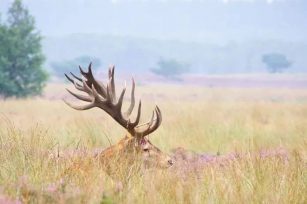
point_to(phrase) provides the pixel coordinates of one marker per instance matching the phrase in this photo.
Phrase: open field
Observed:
(259, 133)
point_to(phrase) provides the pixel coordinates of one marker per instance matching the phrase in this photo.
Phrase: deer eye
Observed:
(146, 150)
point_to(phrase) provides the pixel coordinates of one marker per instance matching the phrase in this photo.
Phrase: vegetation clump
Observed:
(21, 57)
(276, 62)
(170, 69)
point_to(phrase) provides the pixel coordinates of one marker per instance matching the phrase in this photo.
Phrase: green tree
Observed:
(21, 57)
(276, 62)
(170, 68)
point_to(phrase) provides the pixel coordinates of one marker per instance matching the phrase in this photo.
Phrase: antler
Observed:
(104, 97)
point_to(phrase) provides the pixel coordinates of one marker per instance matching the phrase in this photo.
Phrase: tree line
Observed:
(21, 57)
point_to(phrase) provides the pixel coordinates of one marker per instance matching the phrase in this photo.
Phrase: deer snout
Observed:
(166, 162)
(169, 161)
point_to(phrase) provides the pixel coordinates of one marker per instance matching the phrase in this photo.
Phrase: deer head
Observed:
(136, 141)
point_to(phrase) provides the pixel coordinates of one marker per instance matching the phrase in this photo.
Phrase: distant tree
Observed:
(276, 62)
(67, 66)
(21, 58)
(170, 68)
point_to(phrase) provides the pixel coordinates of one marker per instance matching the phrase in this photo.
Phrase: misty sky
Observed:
(186, 20)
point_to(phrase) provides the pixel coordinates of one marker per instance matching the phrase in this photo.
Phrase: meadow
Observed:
(232, 145)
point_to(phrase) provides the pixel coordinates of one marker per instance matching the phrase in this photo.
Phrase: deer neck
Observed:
(125, 145)
(119, 157)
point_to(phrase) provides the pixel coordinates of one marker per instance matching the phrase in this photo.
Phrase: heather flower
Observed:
(188, 161)
(6, 200)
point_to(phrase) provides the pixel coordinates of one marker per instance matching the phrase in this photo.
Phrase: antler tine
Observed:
(109, 97)
(77, 86)
(81, 97)
(69, 79)
(152, 125)
(157, 122)
(112, 83)
(132, 103)
(87, 89)
(90, 69)
(85, 107)
(97, 96)
(78, 78)
(101, 89)
(152, 119)
(72, 80)
(120, 100)
(82, 72)
(138, 116)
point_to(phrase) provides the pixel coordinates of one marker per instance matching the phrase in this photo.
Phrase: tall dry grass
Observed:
(41, 138)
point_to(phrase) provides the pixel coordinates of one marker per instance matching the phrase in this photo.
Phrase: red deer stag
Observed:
(136, 143)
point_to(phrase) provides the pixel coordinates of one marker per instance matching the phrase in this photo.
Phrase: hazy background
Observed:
(212, 36)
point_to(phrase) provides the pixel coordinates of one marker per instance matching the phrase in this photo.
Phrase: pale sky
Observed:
(185, 20)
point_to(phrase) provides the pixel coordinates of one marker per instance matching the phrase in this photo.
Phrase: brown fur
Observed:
(133, 151)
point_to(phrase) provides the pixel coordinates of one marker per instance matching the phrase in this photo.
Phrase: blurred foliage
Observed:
(170, 68)
(21, 56)
(67, 66)
(276, 62)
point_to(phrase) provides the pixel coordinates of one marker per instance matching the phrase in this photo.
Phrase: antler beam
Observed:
(104, 97)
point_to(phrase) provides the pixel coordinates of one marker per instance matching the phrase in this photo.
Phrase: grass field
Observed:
(266, 128)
